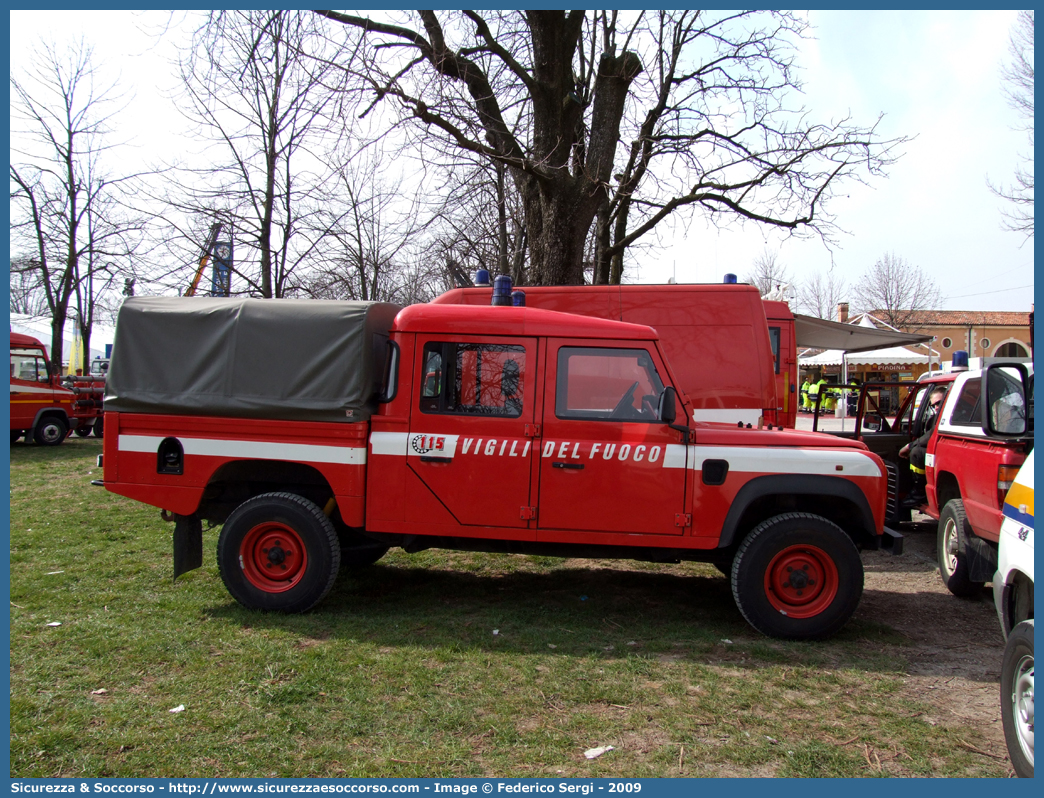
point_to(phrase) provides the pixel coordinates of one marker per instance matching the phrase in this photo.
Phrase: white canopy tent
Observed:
(894, 355)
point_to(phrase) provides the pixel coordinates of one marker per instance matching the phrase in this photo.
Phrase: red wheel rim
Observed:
(801, 581)
(273, 557)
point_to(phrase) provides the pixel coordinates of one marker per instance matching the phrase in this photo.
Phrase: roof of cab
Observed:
(487, 320)
(24, 340)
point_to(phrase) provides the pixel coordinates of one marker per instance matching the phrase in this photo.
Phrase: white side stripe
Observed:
(392, 443)
(730, 416)
(776, 460)
(40, 389)
(253, 450)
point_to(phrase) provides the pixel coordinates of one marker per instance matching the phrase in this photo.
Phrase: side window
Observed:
(26, 365)
(774, 340)
(473, 379)
(607, 384)
(966, 411)
(1009, 404)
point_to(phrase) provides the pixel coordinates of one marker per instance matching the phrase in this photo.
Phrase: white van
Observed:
(1013, 595)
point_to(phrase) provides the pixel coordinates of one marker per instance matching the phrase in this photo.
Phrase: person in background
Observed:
(813, 392)
(917, 449)
(805, 404)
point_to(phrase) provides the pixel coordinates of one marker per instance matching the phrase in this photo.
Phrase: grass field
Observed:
(436, 664)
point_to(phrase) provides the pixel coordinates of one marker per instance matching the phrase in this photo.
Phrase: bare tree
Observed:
(549, 94)
(895, 291)
(478, 224)
(768, 273)
(1018, 87)
(365, 240)
(62, 196)
(27, 293)
(820, 294)
(264, 100)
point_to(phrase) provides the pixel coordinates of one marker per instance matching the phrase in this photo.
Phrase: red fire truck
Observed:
(323, 433)
(42, 408)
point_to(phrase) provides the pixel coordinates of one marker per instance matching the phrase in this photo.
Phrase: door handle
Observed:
(426, 458)
(573, 466)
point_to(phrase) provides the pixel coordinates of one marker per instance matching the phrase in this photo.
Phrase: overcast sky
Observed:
(935, 75)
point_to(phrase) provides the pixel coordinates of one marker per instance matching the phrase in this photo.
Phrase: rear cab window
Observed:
(473, 379)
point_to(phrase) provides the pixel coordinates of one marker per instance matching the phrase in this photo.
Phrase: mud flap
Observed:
(982, 559)
(188, 544)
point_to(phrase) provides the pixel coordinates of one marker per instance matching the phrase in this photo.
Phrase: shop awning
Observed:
(813, 333)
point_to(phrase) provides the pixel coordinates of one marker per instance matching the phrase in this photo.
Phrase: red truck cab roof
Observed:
(17, 339)
(481, 320)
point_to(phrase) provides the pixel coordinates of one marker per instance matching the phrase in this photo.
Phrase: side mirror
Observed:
(1006, 403)
(666, 409)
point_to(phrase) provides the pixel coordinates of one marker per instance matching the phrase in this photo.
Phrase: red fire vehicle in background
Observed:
(42, 408)
(984, 434)
(733, 362)
(982, 437)
(322, 433)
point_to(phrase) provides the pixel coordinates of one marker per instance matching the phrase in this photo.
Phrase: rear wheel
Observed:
(99, 427)
(953, 561)
(16, 434)
(82, 432)
(1017, 698)
(279, 552)
(797, 576)
(50, 431)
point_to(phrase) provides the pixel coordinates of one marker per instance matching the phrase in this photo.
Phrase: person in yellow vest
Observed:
(813, 392)
(827, 403)
(805, 404)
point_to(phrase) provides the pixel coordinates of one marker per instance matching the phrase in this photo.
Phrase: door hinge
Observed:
(683, 520)
(532, 430)
(528, 513)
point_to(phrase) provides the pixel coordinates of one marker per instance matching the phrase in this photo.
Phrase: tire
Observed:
(82, 432)
(16, 434)
(1016, 694)
(51, 431)
(768, 585)
(99, 427)
(953, 561)
(277, 551)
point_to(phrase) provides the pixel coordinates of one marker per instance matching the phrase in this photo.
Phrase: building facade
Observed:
(981, 333)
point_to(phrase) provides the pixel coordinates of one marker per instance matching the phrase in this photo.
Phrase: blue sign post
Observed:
(221, 277)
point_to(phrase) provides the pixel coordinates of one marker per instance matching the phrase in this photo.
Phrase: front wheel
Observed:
(797, 576)
(50, 431)
(954, 530)
(278, 551)
(1016, 694)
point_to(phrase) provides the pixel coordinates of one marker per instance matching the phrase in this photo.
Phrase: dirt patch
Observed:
(953, 646)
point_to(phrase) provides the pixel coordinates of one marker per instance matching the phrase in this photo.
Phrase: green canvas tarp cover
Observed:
(290, 359)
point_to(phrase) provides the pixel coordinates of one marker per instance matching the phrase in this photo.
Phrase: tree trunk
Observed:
(557, 222)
